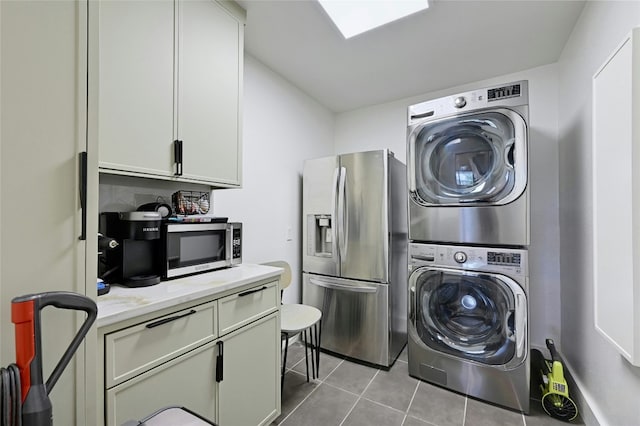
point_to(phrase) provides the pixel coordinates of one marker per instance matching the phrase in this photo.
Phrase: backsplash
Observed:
(124, 193)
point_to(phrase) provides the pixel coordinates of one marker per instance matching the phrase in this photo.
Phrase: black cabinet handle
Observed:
(82, 160)
(219, 361)
(169, 319)
(248, 292)
(177, 156)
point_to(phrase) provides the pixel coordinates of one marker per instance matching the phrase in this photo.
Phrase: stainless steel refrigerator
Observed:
(354, 257)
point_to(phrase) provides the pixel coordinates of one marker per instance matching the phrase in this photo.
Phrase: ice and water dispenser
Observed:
(320, 238)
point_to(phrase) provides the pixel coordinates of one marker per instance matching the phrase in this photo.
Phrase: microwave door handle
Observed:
(229, 244)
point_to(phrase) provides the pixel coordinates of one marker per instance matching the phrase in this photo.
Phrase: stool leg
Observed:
(313, 356)
(306, 353)
(284, 361)
(318, 334)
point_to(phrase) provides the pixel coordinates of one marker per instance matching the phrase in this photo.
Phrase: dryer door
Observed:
(472, 159)
(474, 316)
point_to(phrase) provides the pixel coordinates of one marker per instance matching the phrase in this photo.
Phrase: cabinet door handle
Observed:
(219, 361)
(82, 159)
(169, 319)
(177, 156)
(255, 290)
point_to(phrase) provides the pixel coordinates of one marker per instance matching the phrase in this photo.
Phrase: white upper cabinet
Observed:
(136, 86)
(616, 200)
(210, 67)
(170, 71)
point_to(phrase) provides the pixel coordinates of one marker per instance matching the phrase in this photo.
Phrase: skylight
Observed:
(353, 17)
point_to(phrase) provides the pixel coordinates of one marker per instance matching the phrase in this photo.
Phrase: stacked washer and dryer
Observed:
(467, 158)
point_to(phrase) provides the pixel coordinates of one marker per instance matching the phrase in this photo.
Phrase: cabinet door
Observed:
(187, 381)
(249, 393)
(616, 136)
(136, 86)
(209, 79)
(43, 99)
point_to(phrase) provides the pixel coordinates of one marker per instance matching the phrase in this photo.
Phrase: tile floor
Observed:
(351, 394)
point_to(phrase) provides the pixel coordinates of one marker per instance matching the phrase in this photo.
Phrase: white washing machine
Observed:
(468, 318)
(467, 165)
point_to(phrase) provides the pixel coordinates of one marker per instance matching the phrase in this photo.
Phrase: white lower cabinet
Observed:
(250, 374)
(187, 381)
(218, 357)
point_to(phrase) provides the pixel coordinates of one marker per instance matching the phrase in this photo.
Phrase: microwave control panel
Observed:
(236, 243)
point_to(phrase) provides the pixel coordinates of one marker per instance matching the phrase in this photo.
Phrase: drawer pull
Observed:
(255, 290)
(169, 319)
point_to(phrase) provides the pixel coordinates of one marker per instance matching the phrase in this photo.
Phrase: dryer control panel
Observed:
(511, 95)
(504, 258)
(479, 259)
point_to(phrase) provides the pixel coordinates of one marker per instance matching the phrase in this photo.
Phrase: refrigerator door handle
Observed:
(343, 230)
(334, 215)
(337, 286)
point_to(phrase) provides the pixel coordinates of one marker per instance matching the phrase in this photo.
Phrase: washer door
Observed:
(471, 159)
(479, 317)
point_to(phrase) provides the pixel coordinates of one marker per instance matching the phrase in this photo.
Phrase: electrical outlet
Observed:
(289, 235)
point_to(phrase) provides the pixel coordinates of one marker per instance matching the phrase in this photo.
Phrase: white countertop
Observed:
(122, 303)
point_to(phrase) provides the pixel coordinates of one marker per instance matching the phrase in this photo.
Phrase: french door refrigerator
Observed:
(354, 257)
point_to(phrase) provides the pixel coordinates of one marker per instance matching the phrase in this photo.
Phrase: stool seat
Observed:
(298, 319)
(294, 318)
(302, 319)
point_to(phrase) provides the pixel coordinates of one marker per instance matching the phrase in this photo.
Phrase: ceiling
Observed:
(454, 42)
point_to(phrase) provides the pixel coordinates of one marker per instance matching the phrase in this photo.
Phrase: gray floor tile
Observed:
(327, 364)
(384, 399)
(295, 353)
(393, 388)
(367, 413)
(438, 406)
(403, 355)
(538, 417)
(412, 421)
(296, 389)
(324, 407)
(484, 414)
(351, 376)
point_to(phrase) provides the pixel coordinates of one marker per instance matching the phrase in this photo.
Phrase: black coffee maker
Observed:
(135, 262)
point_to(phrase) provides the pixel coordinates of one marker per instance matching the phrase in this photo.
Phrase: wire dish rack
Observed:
(190, 202)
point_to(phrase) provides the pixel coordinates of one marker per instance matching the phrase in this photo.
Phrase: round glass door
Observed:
(468, 315)
(474, 158)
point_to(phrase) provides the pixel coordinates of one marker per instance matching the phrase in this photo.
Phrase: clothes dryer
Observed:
(468, 321)
(467, 165)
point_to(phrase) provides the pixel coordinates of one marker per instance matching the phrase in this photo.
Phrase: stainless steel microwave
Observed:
(191, 248)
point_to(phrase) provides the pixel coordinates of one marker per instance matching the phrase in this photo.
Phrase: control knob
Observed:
(460, 257)
(459, 102)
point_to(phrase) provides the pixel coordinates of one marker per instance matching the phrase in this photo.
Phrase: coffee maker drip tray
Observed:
(141, 280)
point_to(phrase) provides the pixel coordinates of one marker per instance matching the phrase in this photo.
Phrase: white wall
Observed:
(385, 126)
(609, 384)
(282, 127)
